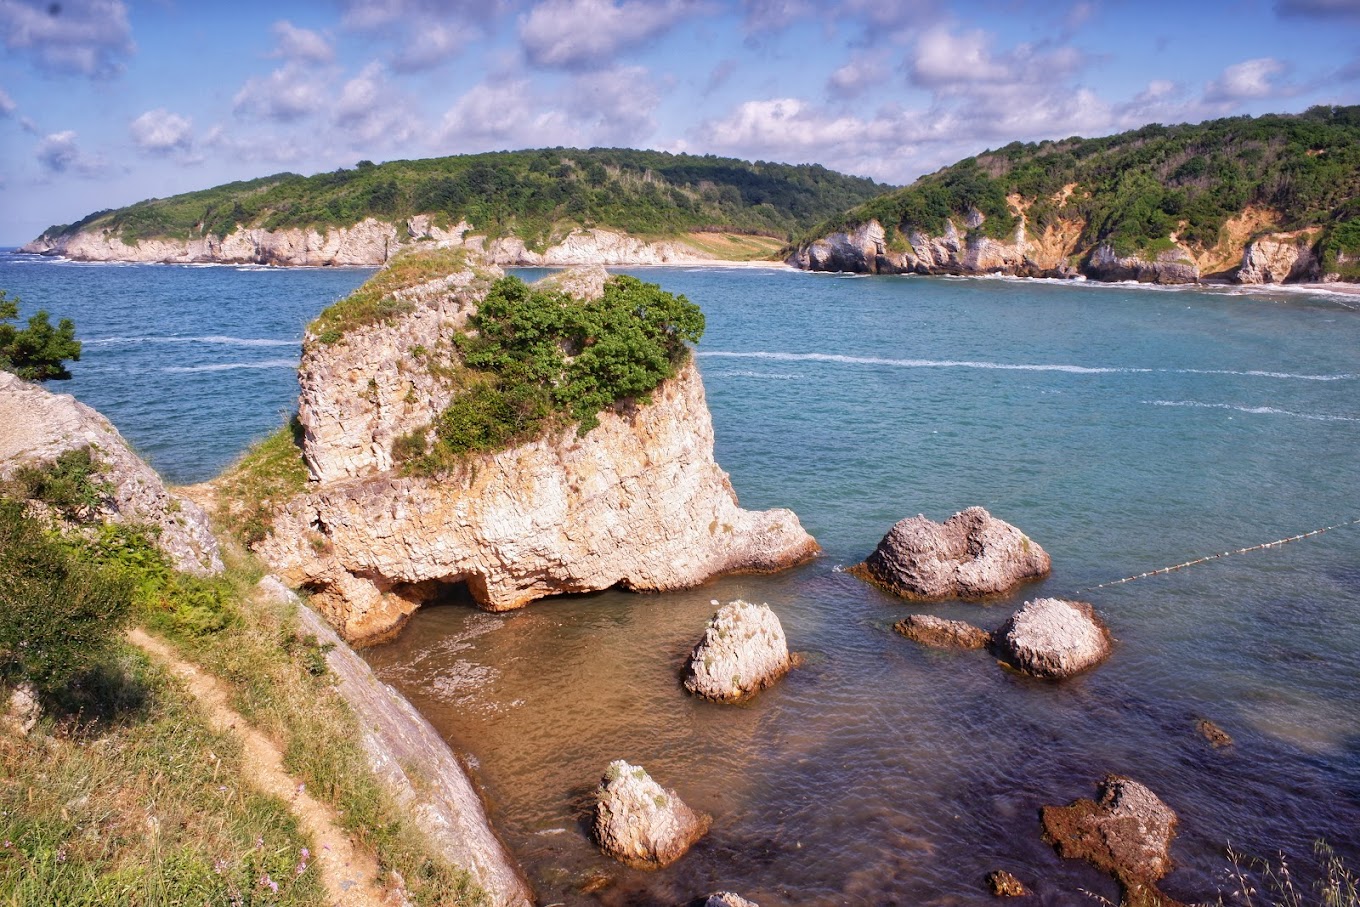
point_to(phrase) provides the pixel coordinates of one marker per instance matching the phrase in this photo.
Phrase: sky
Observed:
(107, 102)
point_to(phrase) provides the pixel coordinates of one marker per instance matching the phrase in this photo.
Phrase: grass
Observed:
(736, 246)
(155, 809)
(269, 474)
(376, 301)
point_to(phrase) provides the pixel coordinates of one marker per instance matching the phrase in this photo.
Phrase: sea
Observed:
(1124, 428)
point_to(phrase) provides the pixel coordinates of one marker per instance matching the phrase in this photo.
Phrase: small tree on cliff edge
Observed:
(39, 351)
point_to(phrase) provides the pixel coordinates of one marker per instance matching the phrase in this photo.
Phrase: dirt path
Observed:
(349, 872)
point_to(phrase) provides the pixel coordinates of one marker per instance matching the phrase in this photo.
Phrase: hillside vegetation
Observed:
(531, 194)
(1135, 189)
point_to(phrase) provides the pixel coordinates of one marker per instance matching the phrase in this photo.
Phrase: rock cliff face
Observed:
(37, 426)
(369, 242)
(1170, 267)
(1278, 258)
(637, 502)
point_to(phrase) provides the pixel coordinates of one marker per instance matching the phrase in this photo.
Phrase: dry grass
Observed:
(736, 246)
(376, 302)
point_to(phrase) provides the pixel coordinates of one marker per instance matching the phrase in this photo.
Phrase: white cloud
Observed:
(161, 132)
(614, 107)
(58, 152)
(370, 113)
(501, 116)
(432, 45)
(301, 44)
(1319, 9)
(1248, 80)
(863, 73)
(7, 105)
(264, 148)
(85, 37)
(586, 34)
(948, 62)
(286, 94)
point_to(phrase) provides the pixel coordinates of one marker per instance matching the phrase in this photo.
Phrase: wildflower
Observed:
(259, 843)
(267, 882)
(219, 866)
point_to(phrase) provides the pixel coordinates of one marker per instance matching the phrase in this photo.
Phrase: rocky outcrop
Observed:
(1004, 885)
(1278, 259)
(1172, 266)
(22, 710)
(640, 824)
(1126, 834)
(743, 651)
(637, 502)
(939, 633)
(726, 899)
(972, 555)
(411, 759)
(369, 242)
(37, 426)
(1053, 638)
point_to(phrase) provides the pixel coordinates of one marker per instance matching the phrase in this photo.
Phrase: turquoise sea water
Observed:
(1122, 428)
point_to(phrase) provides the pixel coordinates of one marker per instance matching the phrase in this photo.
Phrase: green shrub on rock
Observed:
(37, 352)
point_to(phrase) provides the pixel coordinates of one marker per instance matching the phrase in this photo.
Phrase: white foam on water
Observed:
(212, 339)
(1253, 410)
(232, 366)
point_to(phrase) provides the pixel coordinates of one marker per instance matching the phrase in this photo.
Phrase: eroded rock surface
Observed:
(1278, 259)
(1004, 885)
(743, 652)
(939, 633)
(726, 899)
(970, 556)
(1053, 638)
(21, 711)
(639, 823)
(637, 502)
(37, 426)
(1126, 834)
(1173, 266)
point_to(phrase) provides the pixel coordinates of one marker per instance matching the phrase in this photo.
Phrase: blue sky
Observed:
(105, 102)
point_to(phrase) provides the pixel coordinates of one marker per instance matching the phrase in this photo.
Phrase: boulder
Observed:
(37, 426)
(742, 652)
(1211, 732)
(1126, 834)
(726, 899)
(1053, 638)
(22, 711)
(939, 633)
(640, 824)
(971, 555)
(1004, 885)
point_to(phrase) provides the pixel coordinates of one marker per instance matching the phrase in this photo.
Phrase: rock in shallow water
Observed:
(640, 824)
(939, 633)
(1004, 885)
(1127, 834)
(743, 652)
(727, 899)
(971, 555)
(1053, 638)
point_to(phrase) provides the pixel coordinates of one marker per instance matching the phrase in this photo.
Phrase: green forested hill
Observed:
(527, 193)
(1133, 190)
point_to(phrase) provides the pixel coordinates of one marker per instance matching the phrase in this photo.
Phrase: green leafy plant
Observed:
(37, 352)
(68, 484)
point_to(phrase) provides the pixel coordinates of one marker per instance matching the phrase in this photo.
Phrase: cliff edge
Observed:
(637, 501)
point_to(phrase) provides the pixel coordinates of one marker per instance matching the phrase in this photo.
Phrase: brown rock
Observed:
(1213, 733)
(1127, 834)
(640, 824)
(971, 555)
(1053, 638)
(743, 652)
(939, 633)
(1004, 885)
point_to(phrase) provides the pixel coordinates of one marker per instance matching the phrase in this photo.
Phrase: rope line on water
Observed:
(1214, 557)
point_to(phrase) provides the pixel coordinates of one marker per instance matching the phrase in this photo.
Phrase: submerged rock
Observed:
(640, 824)
(939, 633)
(1127, 834)
(1053, 638)
(726, 899)
(38, 426)
(1211, 732)
(743, 652)
(971, 555)
(1004, 885)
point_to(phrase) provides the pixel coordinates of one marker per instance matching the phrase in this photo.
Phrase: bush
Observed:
(66, 484)
(37, 352)
(59, 616)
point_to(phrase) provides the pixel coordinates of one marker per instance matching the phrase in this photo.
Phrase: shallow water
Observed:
(1124, 429)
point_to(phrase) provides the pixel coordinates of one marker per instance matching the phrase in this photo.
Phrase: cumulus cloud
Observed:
(58, 153)
(945, 61)
(287, 94)
(301, 44)
(426, 32)
(614, 107)
(432, 45)
(1248, 80)
(161, 132)
(7, 105)
(586, 34)
(1319, 9)
(370, 113)
(85, 37)
(861, 74)
(258, 147)
(502, 115)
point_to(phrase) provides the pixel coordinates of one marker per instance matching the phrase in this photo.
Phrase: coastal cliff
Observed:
(637, 501)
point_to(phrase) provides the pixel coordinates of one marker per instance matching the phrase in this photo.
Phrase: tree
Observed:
(39, 351)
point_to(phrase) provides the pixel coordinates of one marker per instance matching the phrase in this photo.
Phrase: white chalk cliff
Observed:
(638, 502)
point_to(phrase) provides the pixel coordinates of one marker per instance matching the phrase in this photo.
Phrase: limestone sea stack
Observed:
(1053, 638)
(38, 426)
(1126, 834)
(971, 555)
(639, 823)
(636, 502)
(743, 651)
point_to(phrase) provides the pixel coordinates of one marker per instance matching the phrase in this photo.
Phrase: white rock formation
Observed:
(22, 711)
(639, 823)
(1053, 638)
(637, 502)
(743, 651)
(37, 426)
(1278, 259)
